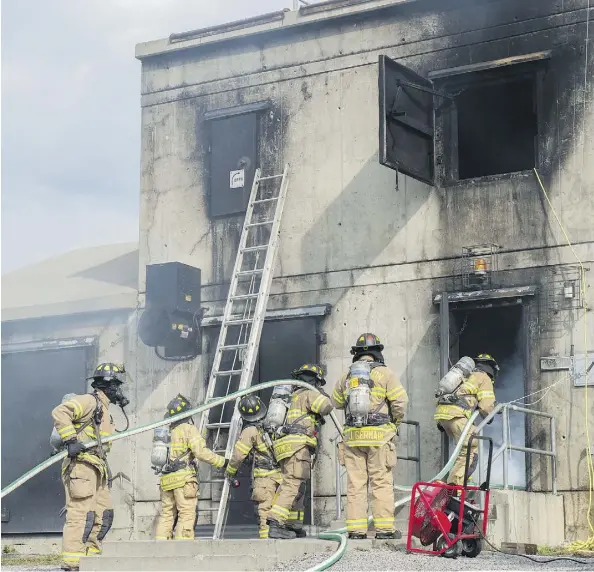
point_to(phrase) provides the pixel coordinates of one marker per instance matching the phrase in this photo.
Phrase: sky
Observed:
(71, 116)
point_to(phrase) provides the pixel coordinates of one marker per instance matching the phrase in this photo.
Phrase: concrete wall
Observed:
(110, 329)
(377, 254)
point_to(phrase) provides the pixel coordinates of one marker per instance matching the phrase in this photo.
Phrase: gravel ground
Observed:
(31, 568)
(380, 559)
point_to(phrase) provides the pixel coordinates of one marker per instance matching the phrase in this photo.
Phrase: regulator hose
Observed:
(162, 422)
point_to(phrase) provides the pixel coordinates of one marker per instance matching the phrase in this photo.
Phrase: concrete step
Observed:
(205, 554)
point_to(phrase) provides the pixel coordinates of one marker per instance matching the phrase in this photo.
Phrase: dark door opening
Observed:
(284, 346)
(498, 331)
(32, 384)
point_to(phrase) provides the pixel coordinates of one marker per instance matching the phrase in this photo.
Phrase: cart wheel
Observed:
(452, 552)
(471, 547)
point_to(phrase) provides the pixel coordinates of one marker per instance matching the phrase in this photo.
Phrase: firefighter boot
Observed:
(388, 535)
(357, 535)
(277, 530)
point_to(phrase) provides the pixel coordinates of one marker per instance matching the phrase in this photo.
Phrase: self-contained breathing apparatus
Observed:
(358, 386)
(450, 383)
(161, 463)
(280, 401)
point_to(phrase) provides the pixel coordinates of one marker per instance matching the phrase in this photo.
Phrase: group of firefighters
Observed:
(374, 402)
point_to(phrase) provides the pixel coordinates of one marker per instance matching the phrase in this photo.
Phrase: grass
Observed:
(37, 560)
(561, 551)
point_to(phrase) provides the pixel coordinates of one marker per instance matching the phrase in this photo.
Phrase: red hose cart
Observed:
(441, 516)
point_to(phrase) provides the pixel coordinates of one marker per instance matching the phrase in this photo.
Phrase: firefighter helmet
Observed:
(311, 373)
(109, 372)
(488, 361)
(366, 342)
(177, 405)
(252, 408)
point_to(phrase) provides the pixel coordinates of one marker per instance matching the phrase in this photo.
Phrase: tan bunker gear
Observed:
(179, 489)
(368, 452)
(293, 450)
(89, 509)
(266, 476)
(476, 391)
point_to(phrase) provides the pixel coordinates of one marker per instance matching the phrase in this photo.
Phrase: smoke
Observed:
(509, 386)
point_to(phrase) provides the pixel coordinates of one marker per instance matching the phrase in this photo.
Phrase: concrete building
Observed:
(364, 250)
(59, 318)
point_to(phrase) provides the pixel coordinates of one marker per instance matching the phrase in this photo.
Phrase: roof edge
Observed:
(266, 23)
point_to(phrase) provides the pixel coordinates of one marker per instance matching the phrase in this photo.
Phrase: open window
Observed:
(485, 114)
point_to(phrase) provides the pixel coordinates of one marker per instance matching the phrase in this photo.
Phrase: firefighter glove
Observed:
(74, 448)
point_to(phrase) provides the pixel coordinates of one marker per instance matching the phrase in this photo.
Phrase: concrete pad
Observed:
(283, 549)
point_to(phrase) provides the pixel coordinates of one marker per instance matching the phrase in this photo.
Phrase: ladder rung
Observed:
(270, 177)
(244, 296)
(261, 223)
(238, 322)
(229, 372)
(254, 248)
(260, 201)
(218, 425)
(232, 347)
(250, 272)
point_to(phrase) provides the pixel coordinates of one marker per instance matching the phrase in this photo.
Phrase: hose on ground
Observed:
(339, 534)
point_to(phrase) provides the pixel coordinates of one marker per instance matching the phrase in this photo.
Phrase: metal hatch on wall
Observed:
(492, 321)
(233, 150)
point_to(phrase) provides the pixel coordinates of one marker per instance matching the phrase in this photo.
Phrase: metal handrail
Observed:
(339, 474)
(504, 409)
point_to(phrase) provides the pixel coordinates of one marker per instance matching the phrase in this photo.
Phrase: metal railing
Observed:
(339, 474)
(507, 445)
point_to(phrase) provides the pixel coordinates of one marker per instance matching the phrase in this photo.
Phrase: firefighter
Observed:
(255, 441)
(295, 445)
(476, 391)
(85, 472)
(179, 480)
(374, 402)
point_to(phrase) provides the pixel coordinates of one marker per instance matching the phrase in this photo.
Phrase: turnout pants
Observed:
(89, 513)
(180, 502)
(265, 489)
(289, 501)
(454, 428)
(369, 466)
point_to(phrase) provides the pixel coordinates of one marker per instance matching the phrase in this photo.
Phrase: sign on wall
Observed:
(237, 179)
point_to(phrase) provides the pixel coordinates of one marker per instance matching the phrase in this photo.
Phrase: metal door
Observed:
(233, 149)
(32, 384)
(285, 345)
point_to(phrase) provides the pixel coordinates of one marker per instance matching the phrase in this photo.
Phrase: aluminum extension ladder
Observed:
(243, 318)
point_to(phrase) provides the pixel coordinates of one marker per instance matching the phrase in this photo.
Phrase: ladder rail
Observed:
(250, 286)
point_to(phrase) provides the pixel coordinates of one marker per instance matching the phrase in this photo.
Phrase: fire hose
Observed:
(338, 535)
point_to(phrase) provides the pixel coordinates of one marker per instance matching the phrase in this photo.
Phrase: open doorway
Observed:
(497, 330)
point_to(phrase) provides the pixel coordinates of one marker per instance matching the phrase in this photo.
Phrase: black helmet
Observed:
(252, 408)
(177, 405)
(487, 363)
(368, 344)
(108, 372)
(310, 373)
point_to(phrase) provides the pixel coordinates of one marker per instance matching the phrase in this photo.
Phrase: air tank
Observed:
(160, 451)
(279, 404)
(455, 377)
(55, 440)
(359, 392)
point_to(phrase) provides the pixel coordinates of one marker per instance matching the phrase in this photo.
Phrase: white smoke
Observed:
(509, 386)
